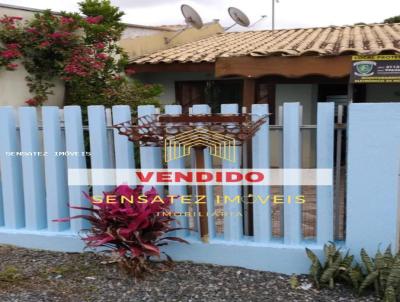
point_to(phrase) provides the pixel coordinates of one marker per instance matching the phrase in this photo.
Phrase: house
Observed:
(305, 65)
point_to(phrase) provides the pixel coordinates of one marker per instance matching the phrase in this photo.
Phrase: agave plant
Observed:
(336, 267)
(383, 272)
(131, 230)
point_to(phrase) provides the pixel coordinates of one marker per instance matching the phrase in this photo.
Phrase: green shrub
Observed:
(335, 267)
(381, 273)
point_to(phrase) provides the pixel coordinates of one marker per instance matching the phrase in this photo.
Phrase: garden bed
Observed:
(32, 275)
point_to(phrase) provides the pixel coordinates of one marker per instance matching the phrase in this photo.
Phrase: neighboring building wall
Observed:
(139, 46)
(134, 31)
(383, 93)
(14, 91)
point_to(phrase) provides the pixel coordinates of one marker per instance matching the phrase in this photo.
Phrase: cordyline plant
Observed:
(132, 231)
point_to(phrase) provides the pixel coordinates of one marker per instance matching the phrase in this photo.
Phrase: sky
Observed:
(289, 13)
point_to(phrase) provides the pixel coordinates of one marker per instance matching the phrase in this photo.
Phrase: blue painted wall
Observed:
(373, 176)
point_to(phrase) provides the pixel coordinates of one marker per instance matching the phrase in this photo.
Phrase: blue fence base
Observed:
(52, 241)
(273, 257)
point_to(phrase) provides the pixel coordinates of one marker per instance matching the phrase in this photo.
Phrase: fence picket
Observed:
(99, 144)
(124, 152)
(338, 167)
(1, 205)
(32, 170)
(179, 163)
(11, 176)
(291, 160)
(196, 225)
(325, 143)
(110, 136)
(261, 212)
(150, 157)
(55, 170)
(233, 222)
(74, 141)
(205, 109)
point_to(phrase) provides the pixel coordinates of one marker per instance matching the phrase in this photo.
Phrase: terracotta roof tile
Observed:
(334, 40)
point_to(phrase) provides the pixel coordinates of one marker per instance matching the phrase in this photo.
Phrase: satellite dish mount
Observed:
(241, 19)
(192, 19)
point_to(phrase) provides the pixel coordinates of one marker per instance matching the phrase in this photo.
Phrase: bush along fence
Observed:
(35, 188)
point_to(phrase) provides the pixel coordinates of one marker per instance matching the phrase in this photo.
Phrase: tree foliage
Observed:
(395, 19)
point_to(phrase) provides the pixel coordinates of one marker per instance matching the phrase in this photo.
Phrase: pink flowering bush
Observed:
(81, 50)
(9, 35)
(132, 229)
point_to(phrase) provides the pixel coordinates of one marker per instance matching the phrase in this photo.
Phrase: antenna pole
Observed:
(228, 28)
(168, 40)
(259, 20)
(273, 14)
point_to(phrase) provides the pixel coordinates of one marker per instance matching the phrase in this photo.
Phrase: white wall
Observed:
(15, 92)
(383, 93)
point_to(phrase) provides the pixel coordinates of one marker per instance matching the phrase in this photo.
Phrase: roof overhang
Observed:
(256, 67)
(174, 67)
(290, 67)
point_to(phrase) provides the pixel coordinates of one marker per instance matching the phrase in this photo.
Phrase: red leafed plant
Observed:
(130, 228)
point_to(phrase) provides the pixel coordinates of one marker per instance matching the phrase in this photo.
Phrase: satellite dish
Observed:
(239, 17)
(192, 18)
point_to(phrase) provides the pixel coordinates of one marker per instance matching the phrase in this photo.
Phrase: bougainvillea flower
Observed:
(13, 46)
(10, 54)
(32, 102)
(100, 45)
(102, 56)
(11, 66)
(66, 20)
(44, 44)
(10, 20)
(59, 34)
(94, 20)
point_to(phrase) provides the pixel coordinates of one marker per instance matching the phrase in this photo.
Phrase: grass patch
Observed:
(11, 274)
